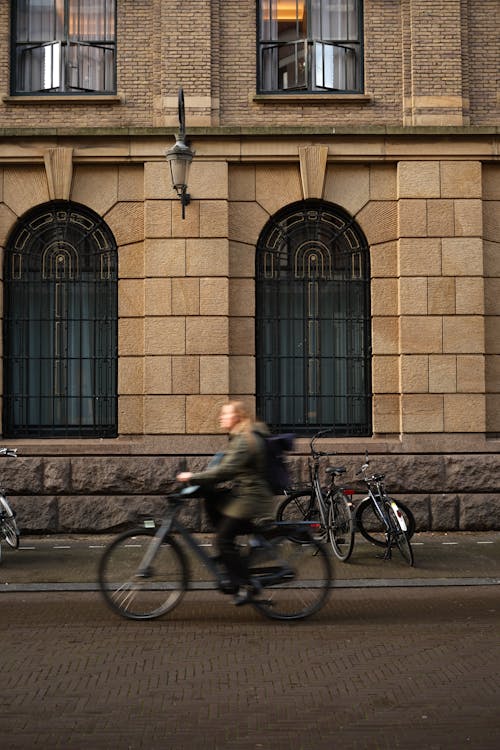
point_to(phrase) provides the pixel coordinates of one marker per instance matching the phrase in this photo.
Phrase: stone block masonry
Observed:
(98, 494)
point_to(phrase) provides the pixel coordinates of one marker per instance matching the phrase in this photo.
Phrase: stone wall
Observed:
(76, 494)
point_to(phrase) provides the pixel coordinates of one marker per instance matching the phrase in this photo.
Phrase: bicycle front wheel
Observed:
(8, 525)
(298, 506)
(142, 594)
(340, 526)
(399, 535)
(372, 528)
(305, 574)
(301, 505)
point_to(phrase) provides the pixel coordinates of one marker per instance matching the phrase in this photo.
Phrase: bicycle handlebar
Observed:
(374, 477)
(318, 435)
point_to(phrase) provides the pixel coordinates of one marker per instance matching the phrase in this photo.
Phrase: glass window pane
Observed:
(91, 20)
(63, 66)
(283, 20)
(328, 59)
(312, 325)
(39, 20)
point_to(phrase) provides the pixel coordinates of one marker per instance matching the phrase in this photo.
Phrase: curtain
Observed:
(65, 45)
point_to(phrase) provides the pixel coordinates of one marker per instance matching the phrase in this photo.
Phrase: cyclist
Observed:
(234, 511)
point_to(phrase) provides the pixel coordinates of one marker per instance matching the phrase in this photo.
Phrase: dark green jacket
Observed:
(243, 463)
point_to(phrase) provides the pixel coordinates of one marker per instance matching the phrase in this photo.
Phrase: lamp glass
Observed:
(179, 158)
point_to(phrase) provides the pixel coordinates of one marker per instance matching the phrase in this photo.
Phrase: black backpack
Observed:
(277, 474)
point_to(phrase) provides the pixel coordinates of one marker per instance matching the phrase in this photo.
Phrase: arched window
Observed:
(60, 325)
(313, 322)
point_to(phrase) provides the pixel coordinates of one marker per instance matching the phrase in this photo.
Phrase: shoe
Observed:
(246, 594)
(228, 587)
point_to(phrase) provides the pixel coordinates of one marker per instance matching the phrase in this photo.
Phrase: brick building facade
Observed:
(411, 157)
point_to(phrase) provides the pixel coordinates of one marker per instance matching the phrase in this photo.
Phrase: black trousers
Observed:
(227, 529)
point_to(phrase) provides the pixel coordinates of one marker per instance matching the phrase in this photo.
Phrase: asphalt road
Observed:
(378, 668)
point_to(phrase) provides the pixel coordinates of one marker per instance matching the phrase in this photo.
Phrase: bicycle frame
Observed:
(168, 525)
(171, 524)
(314, 463)
(377, 501)
(319, 496)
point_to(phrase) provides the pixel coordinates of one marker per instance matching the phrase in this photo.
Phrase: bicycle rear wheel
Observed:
(399, 535)
(340, 526)
(373, 529)
(305, 575)
(8, 525)
(146, 596)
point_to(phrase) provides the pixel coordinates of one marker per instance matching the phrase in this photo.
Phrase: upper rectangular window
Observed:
(310, 46)
(64, 47)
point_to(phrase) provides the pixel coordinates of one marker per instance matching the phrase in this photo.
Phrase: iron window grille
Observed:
(60, 325)
(63, 47)
(313, 322)
(312, 46)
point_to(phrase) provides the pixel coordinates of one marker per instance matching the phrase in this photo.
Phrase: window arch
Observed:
(60, 325)
(313, 322)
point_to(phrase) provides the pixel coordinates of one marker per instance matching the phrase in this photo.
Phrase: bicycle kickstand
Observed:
(388, 551)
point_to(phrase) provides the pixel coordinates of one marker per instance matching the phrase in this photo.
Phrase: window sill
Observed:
(313, 98)
(63, 99)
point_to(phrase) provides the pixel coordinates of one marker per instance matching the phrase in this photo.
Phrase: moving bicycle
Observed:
(234, 512)
(144, 573)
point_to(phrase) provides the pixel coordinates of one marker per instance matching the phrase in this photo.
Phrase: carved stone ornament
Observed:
(313, 170)
(59, 169)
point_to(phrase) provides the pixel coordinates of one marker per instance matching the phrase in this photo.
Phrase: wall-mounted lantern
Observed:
(179, 158)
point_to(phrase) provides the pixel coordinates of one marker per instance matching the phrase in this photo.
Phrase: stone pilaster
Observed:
(441, 297)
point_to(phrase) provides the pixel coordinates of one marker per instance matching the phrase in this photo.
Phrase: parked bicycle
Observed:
(382, 520)
(329, 506)
(8, 525)
(144, 573)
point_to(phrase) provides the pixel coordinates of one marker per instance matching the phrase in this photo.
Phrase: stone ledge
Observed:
(64, 99)
(260, 130)
(207, 444)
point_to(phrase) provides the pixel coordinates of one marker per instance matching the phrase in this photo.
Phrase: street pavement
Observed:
(399, 658)
(70, 562)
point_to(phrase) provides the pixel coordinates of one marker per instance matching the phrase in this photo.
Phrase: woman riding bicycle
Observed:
(232, 512)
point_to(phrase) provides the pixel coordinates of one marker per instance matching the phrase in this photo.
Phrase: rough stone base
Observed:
(98, 494)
